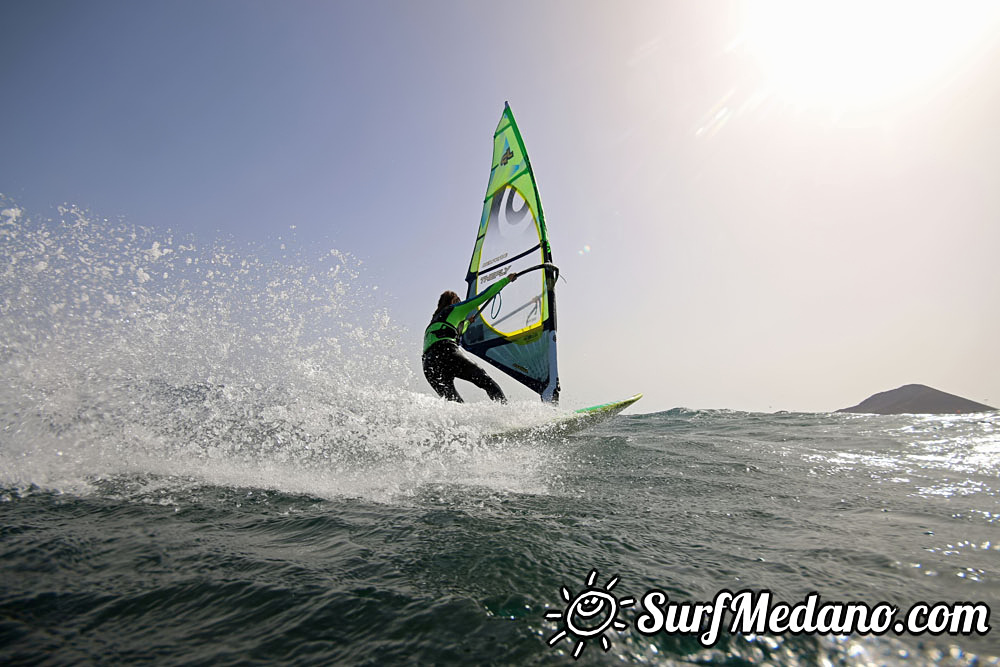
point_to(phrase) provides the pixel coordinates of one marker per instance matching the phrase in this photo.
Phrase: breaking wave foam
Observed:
(127, 352)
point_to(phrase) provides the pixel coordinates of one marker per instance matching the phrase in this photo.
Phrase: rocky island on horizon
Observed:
(916, 399)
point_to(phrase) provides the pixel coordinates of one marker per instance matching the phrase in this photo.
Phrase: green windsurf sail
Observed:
(517, 329)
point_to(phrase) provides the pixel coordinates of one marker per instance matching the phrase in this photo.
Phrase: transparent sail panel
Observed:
(516, 330)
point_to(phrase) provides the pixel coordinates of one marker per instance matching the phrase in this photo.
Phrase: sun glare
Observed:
(861, 53)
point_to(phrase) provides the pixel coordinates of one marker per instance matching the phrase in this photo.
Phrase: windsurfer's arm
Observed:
(467, 310)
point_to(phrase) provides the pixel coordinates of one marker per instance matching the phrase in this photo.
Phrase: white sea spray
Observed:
(127, 351)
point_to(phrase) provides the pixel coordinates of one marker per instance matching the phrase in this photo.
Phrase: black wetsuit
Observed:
(443, 361)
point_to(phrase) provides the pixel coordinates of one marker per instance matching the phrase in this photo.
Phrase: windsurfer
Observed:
(442, 359)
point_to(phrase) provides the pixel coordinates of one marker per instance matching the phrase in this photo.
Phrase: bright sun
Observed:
(862, 53)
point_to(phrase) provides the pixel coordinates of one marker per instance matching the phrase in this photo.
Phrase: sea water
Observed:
(214, 455)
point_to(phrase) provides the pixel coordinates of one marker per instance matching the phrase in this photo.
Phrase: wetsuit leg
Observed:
(437, 370)
(443, 362)
(470, 371)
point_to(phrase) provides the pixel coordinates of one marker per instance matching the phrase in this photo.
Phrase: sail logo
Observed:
(493, 261)
(499, 273)
(505, 158)
(589, 614)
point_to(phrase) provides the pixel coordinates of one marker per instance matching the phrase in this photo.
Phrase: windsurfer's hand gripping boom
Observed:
(511, 278)
(474, 314)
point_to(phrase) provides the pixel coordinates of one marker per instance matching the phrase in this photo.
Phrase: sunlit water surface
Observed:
(211, 455)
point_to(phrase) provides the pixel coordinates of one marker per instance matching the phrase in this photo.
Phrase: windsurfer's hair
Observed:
(446, 299)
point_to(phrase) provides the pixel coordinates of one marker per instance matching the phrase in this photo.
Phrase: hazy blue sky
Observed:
(788, 205)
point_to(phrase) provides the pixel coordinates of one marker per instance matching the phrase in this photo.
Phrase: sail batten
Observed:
(517, 332)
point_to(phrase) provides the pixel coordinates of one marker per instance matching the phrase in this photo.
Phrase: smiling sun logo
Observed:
(589, 614)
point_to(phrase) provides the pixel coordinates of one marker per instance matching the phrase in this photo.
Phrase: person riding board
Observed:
(442, 359)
